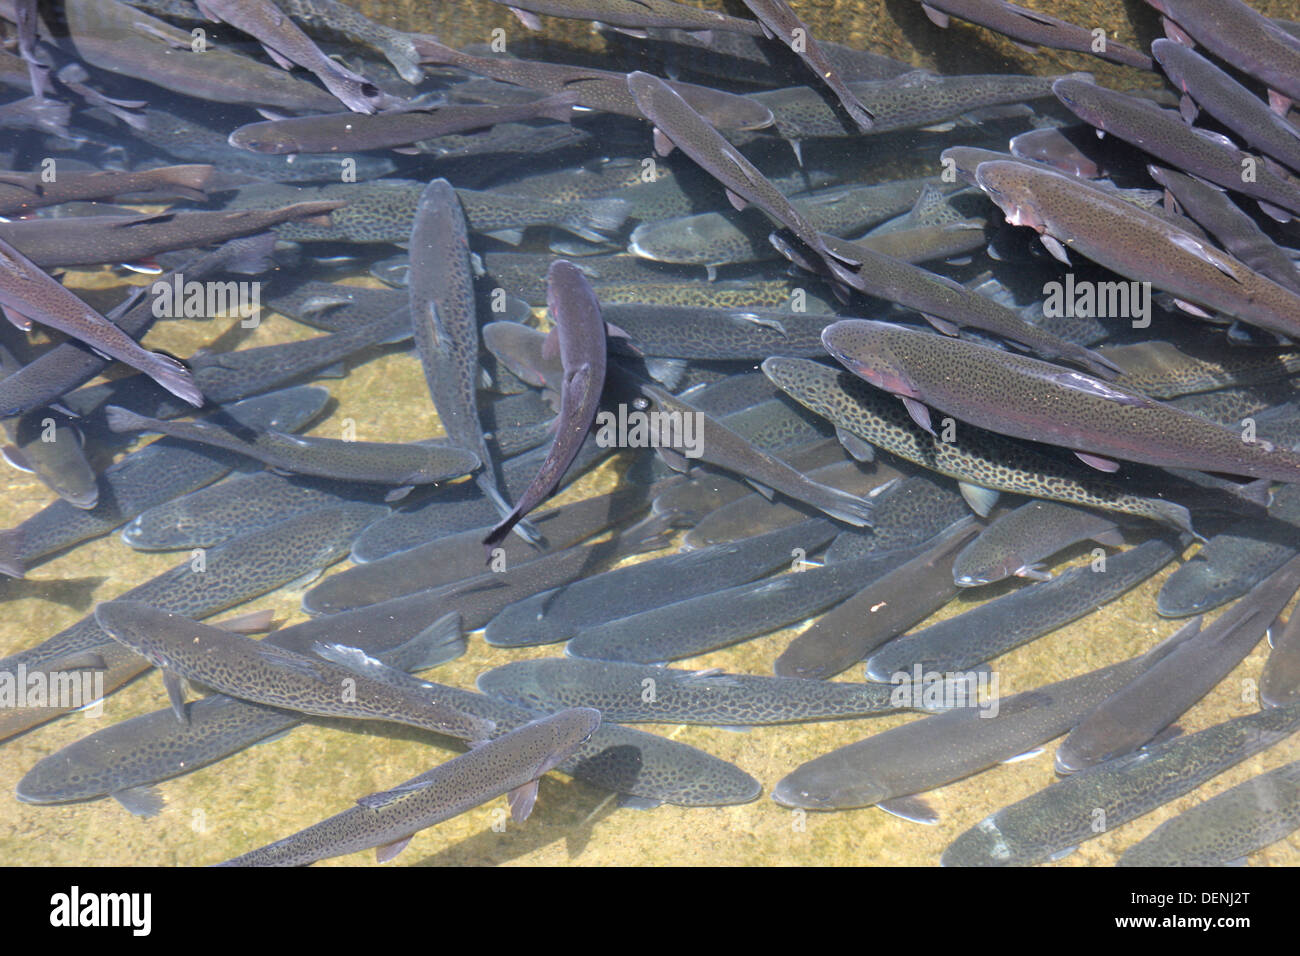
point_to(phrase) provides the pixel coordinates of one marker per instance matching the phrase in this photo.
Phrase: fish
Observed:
(1166, 369)
(1238, 34)
(782, 23)
(272, 676)
(1005, 623)
(907, 513)
(1236, 231)
(400, 465)
(1165, 135)
(384, 211)
(884, 609)
(1136, 244)
(559, 614)
(890, 769)
(478, 599)
(145, 478)
(1279, 684)
(287, 45)
(619, 759)
(603, 90)
(92, 240)
(754, 514)
(918, 99)
(1227, 827)
(333, 19)
(948, 306)
(232, 573)
(693, 626)
(1033, 28)
(1064, 814)
(977, 459)
(182, 137)
(632, 16)
(461, 507)
(451, 559)
(28, 294)
(676, 124)
(512, 764)
(444, 320)
(1226, 100)
(242, 503)
(580, 341)
(619, 691)
(47, 445)
(22, 192)
(121, 39)
(126, 759)
(343, 132)
(1232, 562)
(714, 334)
(1016, 543)
(721, 446)
(1027, 398)
(1138, 712)
(713, 239)
(26, 19)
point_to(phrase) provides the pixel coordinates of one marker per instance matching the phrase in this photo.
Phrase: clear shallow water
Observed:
(273, 789)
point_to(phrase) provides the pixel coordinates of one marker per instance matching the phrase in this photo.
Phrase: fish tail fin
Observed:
(429, 50)
(845, 507)
(193, 176)
(558, 107)
(1178, 516)
(440, 642)
(595, 219)
(403, 53)
(11, 561)
(124, 420)
(172, 375)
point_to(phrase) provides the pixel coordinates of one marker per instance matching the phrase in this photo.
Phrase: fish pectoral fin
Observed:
(16, 318)
(1190, 309)
(737, 203)
(674, 459)
(1279, 103)
(858, 449)
(176, 694)
(919, 412)
(913, 808)
(16, 459)
(1034, 572)
(1204, 253)
(937, 17)
(1098, 462)
(1188, 109)
(521, 800)
(1113, 538)
(528, 19)
(1053, 245)
(1176, 33)
(140, 801)
(941, 325)
(980, 499)
(1027, 755)
(632, 801)
(389, 850)
(397, 494)
(663, 145)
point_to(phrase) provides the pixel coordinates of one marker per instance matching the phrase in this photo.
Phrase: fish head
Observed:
(864, 348)
(809, 789)
(1167, 54)
(1005, 183)
(263, 138)
(1082, 98)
